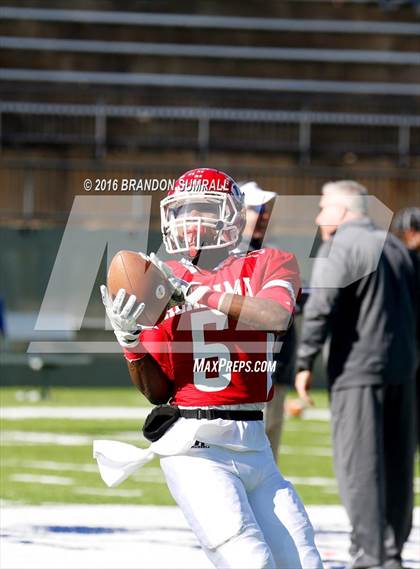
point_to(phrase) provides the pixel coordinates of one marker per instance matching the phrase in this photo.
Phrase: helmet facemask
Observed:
(201, 221)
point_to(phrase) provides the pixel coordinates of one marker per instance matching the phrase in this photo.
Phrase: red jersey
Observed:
(211, 358)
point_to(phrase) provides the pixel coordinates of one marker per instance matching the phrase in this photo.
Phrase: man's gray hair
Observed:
(349, 193)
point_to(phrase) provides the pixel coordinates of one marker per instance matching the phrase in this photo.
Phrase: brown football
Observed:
(139, 276)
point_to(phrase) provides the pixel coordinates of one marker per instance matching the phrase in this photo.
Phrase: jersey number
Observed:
(206, 352)
(203, 352)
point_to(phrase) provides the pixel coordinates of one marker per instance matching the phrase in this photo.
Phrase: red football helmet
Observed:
(203, 210)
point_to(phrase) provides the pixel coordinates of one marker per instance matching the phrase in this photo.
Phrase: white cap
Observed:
(254, 196)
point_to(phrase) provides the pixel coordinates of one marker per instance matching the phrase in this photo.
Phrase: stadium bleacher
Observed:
(143, 83)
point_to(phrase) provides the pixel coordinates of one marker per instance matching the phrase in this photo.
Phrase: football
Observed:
(139, 276)
(293, 407)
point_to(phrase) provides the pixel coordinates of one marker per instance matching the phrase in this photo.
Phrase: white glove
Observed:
(123, 317)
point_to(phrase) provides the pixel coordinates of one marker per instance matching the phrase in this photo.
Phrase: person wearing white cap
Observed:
(259, 204)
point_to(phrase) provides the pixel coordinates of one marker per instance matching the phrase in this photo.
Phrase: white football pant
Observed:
(243, 512)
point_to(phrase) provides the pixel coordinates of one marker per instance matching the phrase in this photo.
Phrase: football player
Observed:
(207, 359)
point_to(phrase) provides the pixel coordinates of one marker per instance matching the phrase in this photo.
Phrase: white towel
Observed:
(117, 461)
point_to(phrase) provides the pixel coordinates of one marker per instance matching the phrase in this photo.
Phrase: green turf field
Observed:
(50, 459)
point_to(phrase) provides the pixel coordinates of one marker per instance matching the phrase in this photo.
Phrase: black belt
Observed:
(212, 414)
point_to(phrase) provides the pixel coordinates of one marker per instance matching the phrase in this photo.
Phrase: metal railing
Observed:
(213, 82)
(209, 22)
(364, 56)
(204, 117)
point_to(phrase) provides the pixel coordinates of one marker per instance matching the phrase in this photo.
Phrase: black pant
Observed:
(374, 447)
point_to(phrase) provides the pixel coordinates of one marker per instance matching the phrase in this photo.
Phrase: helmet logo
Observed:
(160, 291)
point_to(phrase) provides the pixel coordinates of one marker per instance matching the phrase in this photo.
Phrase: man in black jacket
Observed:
(362, 300)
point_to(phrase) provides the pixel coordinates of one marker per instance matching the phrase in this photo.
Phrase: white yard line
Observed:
(43, 479)
(152, 475)
(50, 465)
(111, 492)
(31, 412)
(47, 437)
(64, 439)
(313, 481)
(35, 437)
(304, 451)
(316, 414)
(139, 413)
(294, 425)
